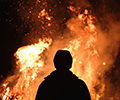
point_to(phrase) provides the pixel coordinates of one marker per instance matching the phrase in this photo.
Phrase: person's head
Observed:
(63, 60)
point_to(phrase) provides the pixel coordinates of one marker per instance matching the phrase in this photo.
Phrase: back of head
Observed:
(63, 60)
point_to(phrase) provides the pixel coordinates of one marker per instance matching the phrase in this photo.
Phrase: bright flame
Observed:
(29, 56)
(84, 52)
(28, 62)
(6, 94)
(82, 47)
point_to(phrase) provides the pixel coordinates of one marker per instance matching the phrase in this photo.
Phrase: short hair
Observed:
(63, 60)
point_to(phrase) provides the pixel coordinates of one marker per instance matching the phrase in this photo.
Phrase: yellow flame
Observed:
(5, 96)
(29, 56)
(28, 62)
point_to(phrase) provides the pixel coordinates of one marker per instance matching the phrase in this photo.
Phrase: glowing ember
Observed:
(104, 63)
(43, 13)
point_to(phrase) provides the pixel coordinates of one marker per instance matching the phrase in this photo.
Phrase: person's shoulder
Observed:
(50, 76)
(76, 78)
(80, 81)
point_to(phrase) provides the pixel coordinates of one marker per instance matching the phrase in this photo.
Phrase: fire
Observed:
(5, 96)
(82, 46)
(29, 56)
(84, 52)
(28, 62)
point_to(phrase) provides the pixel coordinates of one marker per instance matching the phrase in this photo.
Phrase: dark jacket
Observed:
(62, 85)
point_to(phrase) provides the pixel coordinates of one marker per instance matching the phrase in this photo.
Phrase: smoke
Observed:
(111, 34)
(109, 48)
(109, 45)
(109, 37)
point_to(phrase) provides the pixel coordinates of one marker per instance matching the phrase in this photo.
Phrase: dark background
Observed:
(10, 37)
(13, 30)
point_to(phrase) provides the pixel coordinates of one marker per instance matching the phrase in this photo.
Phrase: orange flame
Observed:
(30, 62)
(5, 96)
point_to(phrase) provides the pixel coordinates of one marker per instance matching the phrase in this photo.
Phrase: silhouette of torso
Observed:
(62, 85)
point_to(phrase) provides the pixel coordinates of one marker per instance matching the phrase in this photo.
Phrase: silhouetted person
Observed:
(62, 84)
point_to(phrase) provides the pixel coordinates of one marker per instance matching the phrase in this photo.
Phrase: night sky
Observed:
(13, 29)
(10, 37)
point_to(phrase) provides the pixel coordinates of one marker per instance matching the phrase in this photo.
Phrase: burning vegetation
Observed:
(81, 35)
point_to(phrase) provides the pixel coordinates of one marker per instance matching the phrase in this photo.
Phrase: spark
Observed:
(104, 63)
